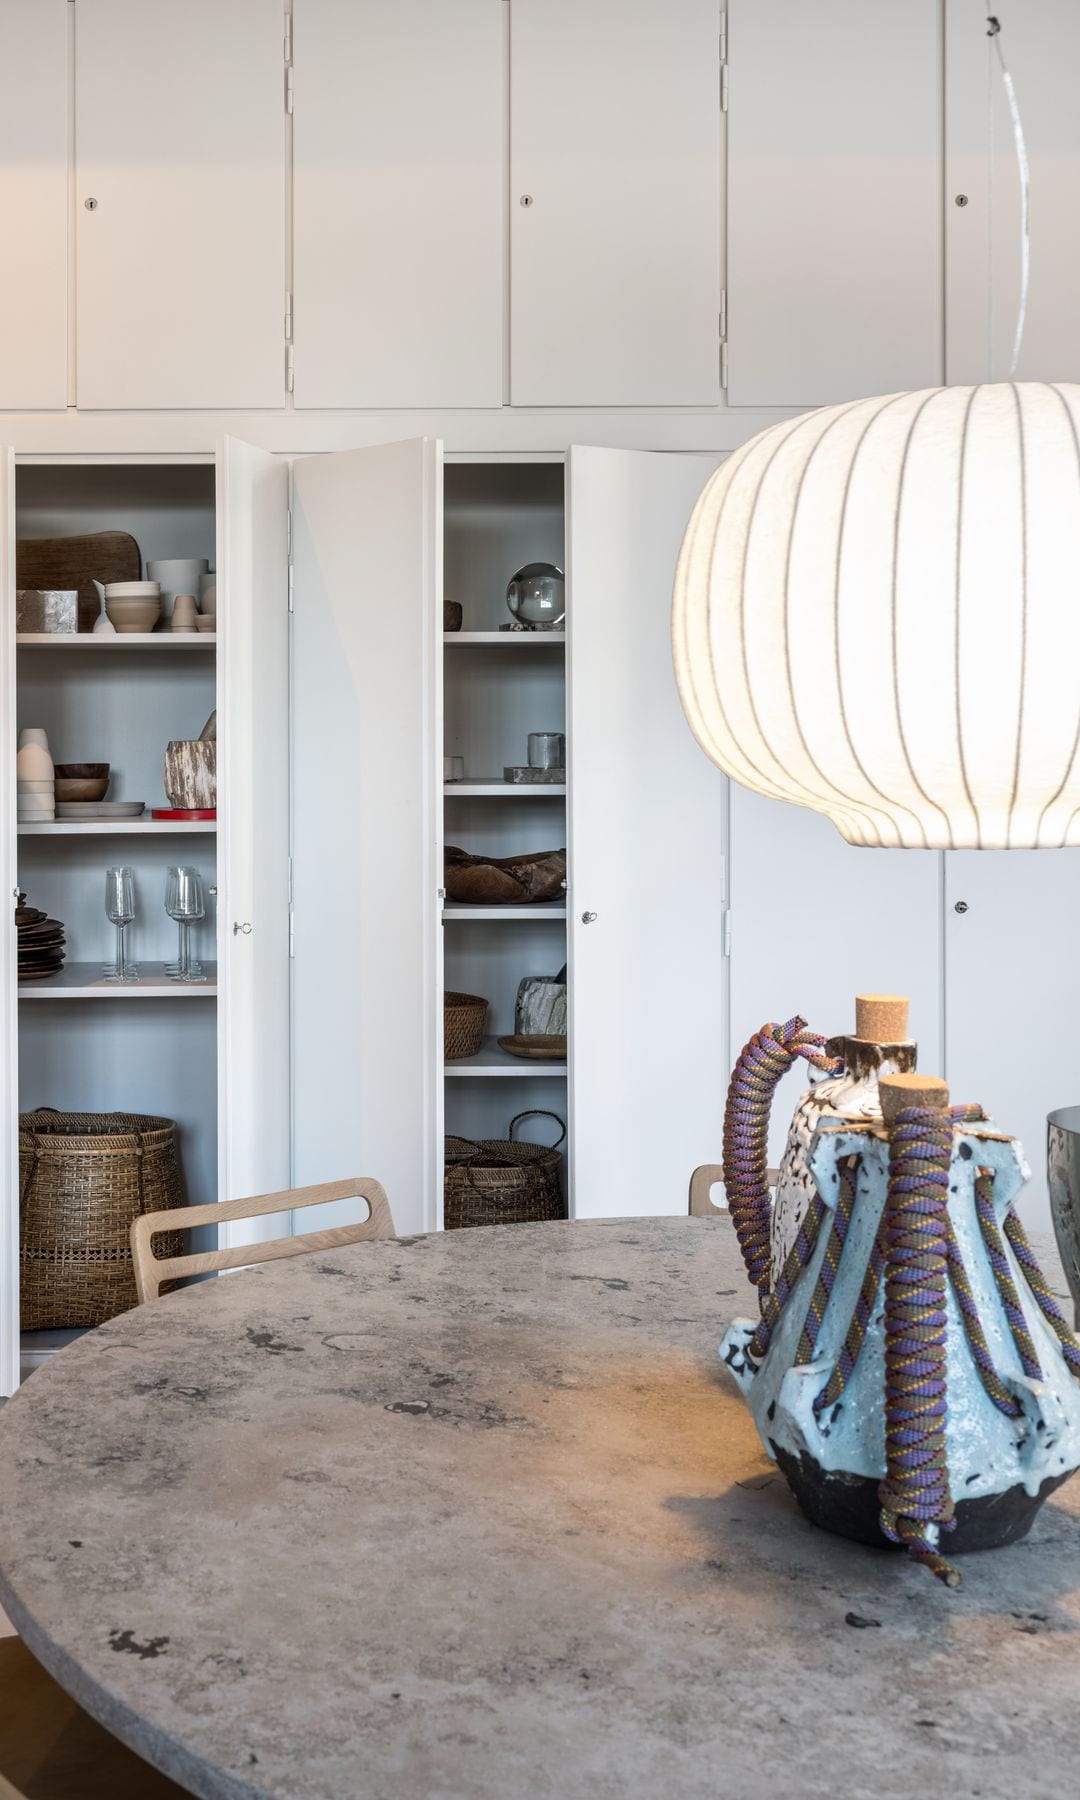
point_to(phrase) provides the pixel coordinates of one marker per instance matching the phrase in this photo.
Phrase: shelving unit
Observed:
(497, 687)
(106, 641)
(121, 828)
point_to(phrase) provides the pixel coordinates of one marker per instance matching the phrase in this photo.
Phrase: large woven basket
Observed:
(499, 1181)
(83, 1178)
(464, 1018)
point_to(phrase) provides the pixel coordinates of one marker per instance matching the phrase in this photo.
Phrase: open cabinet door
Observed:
(253, 831)
(9, 1032)
(647, 972)
(367, 575)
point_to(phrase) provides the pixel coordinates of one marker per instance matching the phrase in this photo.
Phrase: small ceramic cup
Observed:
(547, 749)
(183, 613)
(453, 768)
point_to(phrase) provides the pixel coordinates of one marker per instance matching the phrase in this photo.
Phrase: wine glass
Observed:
(120, 910)
(184, 902)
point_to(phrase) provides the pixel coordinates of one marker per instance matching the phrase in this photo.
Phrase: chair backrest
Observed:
(7, 1792)
(151, 1270)
(703, 1179)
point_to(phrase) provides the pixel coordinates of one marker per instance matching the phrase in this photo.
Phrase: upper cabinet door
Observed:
(399, 203)
(180, 204)
(646, 850)
(9, 1035)
(34, 203)
(834, 200)
(367, 641)
(1041, 43)
(615, 202)
(253, 827)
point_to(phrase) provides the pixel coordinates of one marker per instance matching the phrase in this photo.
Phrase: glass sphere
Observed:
(536, 595)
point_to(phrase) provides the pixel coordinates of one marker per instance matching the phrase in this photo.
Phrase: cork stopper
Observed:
(899, 1091)
(881, 1018)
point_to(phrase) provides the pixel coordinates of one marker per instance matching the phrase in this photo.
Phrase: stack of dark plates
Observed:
(40, 942)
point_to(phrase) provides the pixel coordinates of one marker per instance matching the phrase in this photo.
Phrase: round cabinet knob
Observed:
(961, 906)
(587, 918)
(244, 929)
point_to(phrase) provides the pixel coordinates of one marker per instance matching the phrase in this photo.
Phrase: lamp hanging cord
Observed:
(993, 32)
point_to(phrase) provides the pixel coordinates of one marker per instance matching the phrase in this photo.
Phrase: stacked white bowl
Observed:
(35, 777)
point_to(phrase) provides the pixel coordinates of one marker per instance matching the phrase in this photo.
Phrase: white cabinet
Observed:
(834, 274)
(399, 199)
(212, 1055)
(615, 202)
(647, 972)
(367, 1022)
(180, 204)
(1041, 42)
(1012, 988)
(33, 203)
(815, 921)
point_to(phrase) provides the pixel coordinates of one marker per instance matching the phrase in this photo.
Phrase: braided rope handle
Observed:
(768, 1056)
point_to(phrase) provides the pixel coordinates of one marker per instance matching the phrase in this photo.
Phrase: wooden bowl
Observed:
(93, 789)
(82, 771)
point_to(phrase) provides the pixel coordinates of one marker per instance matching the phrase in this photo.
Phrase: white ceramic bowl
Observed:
(132, 590)
(33, 764)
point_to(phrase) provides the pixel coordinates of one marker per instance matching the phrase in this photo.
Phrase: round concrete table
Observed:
(479, 1517)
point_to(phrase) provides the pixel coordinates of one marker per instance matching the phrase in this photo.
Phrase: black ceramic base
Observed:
(849, 1506)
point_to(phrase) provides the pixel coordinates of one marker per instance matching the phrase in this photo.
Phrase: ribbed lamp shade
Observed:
(877, 615)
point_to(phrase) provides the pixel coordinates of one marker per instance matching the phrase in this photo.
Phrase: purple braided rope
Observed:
(773, 1303)
(999, 1262)
(768, 1055)
(855, 1336)
(915, 1492)
(830, 1262)
(976, 1337)
(1040, 1287)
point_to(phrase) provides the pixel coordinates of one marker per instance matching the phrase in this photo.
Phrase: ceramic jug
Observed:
(909, 1371)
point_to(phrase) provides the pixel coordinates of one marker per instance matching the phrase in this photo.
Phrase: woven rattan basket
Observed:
(501, 1182)
(83, 1178)
(464, 1019)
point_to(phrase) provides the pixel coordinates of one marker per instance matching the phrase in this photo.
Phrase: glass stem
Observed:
(120, 961)
(185, 952)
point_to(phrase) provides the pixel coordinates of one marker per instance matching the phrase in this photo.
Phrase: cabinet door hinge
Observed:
(288, 37)
(288, 318)
(288, 534)
(723, 37)
(288, 88)
(289, 369)
(723, 314)
(723, 366)
(292, 940)
(727, 930)
(723, 88)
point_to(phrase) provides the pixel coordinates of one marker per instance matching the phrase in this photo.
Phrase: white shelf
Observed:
(84, 981)
(505, 637)
(505, 790)
(543, 909)
(146, 827)
(491, 1061)
(120, 640)
(36, 1347)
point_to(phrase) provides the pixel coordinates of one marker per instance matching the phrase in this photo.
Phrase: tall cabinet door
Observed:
(815, 921)
(646, 970)
(398, 184)
(181, 255)
(1012, 990)
(9, 1035)
(34, 202)
(615, 203)
(834, 200)
(367, 534)
(253, 829)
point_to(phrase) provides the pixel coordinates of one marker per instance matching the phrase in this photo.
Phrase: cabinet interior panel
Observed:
(66, 878)
(154, 1057)
(496, 518)
(167, 507)
(491, 958)
(505, 827)
(484, 1109)
(490, 707)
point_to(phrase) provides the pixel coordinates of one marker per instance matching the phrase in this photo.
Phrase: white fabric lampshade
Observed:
(877, 615)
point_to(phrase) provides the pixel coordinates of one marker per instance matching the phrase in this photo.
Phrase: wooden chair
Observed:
(50, 1749)
(151, 1270)
(701, 1206)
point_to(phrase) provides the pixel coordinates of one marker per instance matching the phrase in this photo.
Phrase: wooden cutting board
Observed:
(77, 562)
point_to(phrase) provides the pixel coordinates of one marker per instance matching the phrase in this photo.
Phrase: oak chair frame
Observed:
(703, 1178)
(151, 1270)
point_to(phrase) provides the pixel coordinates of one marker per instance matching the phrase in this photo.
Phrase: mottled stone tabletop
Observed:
(480, 1516)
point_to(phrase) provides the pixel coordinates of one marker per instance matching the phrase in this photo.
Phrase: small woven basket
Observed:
(499, 1181)
(464, 1019)
(83, 1178)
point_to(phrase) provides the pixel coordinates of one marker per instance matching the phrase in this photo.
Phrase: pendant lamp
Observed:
(877, 615)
